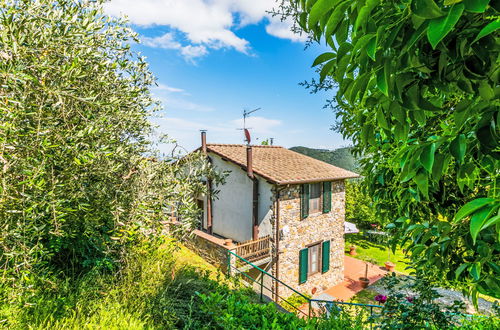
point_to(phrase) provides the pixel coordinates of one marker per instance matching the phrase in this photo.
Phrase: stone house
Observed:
(279, 209)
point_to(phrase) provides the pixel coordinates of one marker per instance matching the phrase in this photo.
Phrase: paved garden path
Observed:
(353, 270)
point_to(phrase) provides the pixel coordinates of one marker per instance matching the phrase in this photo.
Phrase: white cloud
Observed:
(166, 88)
(259, 125)
(182, 104)
(167, 41)
(204, 24)
(170, 99)
(283, 30)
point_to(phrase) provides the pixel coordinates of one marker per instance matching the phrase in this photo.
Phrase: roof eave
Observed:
(318, 180)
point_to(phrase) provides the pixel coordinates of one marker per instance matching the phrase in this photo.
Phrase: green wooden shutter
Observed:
(327, 197)
(303, 265)
(304, 201)
(325, 261)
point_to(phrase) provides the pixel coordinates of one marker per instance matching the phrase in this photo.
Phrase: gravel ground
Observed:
(448, 296)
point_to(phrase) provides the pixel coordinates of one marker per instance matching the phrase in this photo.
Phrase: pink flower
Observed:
(410, 299)
(381, 298)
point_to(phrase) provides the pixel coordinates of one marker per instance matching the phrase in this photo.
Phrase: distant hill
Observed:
(341, 157)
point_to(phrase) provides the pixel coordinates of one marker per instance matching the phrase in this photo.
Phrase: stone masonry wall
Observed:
(210, 248)
(297, 234)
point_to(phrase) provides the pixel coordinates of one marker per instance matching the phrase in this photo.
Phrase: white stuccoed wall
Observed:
(265, 208)
(232, 208)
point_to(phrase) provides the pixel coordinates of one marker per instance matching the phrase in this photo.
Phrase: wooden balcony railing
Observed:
(255, 249)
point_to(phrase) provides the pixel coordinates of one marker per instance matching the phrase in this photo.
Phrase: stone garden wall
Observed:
(297, 233)
(210, 248)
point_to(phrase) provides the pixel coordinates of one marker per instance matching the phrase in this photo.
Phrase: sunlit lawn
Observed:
(376, 253)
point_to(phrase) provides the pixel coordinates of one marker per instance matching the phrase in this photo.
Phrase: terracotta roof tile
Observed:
(280, 165)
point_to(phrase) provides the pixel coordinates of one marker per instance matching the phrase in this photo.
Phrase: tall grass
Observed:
(161, 285)
(152, 290)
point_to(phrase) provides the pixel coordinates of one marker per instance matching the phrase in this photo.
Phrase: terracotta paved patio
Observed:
(353, 270)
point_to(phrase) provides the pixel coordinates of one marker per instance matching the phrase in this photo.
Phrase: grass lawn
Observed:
(376, 253)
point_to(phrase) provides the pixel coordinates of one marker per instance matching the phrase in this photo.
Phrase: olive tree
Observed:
(79, 177)
(416, 88)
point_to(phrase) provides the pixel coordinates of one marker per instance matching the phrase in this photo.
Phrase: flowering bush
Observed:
(380, 298)
(418, 310)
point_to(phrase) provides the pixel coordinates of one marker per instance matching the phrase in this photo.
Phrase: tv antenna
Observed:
(246, 113)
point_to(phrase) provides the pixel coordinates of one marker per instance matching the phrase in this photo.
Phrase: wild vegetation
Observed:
(416, 88)
(80, 180)
(161, 285)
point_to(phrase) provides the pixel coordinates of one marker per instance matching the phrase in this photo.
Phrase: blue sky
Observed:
(215, 58)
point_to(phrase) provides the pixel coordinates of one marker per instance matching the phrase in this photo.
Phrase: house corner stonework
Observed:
(296, 234)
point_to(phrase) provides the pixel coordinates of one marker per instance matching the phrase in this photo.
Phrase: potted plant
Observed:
(389, 265)
(364, 280)
(352, 250)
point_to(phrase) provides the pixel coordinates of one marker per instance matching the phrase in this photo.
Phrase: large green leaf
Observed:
(475, 271)
(427, 157)
(458, 147)
(460, 269)
(323, 58)
(490, 28)
(371, 48)
(476, 6)
(426, 9)
(478, 219)
(361, 43)
(440, 27)
(335, 18)
(320, 8)
(381, 120)
(326, 69)
(382, 81)
(363, 14)
(491, 222)
(397, 112)
(422, 181)
(472, 206)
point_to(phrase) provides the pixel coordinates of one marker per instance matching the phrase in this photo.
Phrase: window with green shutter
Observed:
(325, 264)
(327, 197)
(303, 265)
(304, 201)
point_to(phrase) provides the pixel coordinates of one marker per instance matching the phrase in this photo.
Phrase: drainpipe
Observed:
(277, 240)
(255, 198)
(209, 183)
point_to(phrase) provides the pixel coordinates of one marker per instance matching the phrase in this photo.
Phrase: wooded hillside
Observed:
(341, 157)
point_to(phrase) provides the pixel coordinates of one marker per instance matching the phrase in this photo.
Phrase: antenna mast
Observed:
(246, 113)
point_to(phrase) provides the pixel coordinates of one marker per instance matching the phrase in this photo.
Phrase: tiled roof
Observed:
(280, 165)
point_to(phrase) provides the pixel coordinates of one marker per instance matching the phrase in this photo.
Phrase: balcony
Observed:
(255, 250)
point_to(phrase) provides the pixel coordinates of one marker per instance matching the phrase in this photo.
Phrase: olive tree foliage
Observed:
(79, 177)
(359, 207)
(416, 86)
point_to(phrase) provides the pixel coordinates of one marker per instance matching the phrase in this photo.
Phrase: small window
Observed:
(315, 198)
(314, 259)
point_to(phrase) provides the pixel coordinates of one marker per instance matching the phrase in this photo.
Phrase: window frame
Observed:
(320, 198)
(319, 259)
